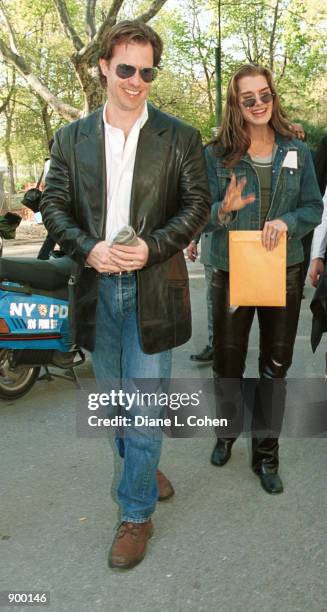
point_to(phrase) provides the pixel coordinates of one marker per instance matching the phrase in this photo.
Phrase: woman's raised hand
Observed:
(233, 198)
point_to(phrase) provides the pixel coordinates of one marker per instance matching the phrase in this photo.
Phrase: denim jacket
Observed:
(295, 199)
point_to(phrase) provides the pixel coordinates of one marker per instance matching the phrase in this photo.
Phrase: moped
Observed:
(34, 323)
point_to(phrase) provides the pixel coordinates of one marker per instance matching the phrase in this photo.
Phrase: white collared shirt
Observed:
(319, 242)
(120, 161)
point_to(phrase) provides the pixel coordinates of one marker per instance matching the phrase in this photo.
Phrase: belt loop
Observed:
(109, 274)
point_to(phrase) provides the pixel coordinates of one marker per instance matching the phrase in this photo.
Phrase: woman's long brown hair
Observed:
(232, 140)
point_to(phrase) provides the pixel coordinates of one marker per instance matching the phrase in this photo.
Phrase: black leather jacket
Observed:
(169, 204)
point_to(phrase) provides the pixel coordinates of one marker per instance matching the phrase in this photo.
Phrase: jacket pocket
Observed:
(291, 181)
(224, 176)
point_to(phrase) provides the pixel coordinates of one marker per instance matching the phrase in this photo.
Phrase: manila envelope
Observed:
(257, 277)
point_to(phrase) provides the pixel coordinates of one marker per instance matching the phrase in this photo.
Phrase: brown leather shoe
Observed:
(129, 546)
(166, 489)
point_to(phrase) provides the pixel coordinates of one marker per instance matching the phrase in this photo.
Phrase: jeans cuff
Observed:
(140, 519)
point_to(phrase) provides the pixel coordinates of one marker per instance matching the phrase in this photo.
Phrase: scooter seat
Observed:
(50, 274)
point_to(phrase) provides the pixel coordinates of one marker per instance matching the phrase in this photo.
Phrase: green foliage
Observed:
(294, 44)
(48, 51)
(313, 133)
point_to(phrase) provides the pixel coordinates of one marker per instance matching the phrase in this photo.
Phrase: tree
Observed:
(84, 46)
(186, 84)
(289, 37)
(7, 107)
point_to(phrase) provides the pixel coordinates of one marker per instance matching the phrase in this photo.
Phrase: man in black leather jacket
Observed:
(129, 164)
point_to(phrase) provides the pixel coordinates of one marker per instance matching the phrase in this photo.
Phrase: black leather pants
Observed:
(231, 331)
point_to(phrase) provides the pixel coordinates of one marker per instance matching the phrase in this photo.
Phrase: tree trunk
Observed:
(3, 209)
(10, 163)
(88, 77)
(46, 121)
(9, 116)
(84, 58)
(94, 98)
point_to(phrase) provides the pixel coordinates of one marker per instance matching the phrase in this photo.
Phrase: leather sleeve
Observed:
(57, 207)
(194, 200)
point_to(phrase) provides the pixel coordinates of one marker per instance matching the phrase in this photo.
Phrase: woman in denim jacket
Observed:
(261, 178)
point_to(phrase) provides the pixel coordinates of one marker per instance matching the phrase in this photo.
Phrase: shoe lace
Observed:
(132, 529)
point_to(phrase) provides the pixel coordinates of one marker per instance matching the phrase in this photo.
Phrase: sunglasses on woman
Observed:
(125, 71)
(265, 98)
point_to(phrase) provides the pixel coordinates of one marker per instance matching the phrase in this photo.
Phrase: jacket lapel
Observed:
(152, 150)
(151, 155)
(91, 161)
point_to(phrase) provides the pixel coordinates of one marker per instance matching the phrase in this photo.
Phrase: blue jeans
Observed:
(118, 356)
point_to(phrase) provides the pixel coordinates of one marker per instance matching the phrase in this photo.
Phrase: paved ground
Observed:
(220, 545)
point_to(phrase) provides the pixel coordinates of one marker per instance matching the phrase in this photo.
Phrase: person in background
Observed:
(261, 178)
(48, 243)
(319, 243)
(206, 354)
(298, 130)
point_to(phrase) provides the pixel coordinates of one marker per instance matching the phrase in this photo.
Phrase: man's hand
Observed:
(100, 258)
(192, 251)
(129, 258)
(272, 232)
(298, 130)
(233, 198)
(316, 269)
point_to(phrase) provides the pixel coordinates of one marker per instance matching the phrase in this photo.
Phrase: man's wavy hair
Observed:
(129, 32)
(232, 140)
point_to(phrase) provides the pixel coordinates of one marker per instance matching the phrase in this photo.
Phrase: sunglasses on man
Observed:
(125, 71)
(265, 98)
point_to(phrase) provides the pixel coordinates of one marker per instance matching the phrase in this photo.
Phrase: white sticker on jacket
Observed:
(290, 160)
